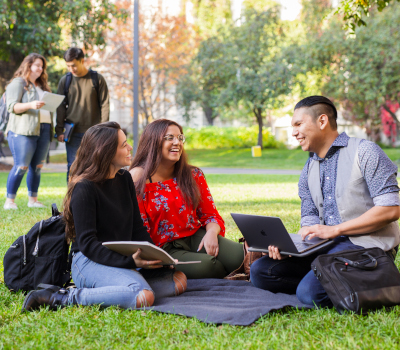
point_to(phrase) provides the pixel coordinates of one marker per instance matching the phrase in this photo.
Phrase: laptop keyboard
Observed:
(302, 246)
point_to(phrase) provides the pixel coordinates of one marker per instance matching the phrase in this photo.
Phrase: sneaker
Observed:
(36, 204)
(10, 205)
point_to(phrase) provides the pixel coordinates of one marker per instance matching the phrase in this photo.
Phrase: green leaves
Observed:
(227, 137)
(355, 11)
(49, 27)
(242, 67)
(359, 73)
(46, 26)
(263, 75)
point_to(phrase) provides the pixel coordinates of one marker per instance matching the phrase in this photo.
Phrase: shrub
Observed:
(212, 137)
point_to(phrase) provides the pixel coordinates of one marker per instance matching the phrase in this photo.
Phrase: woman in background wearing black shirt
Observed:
(98, 207)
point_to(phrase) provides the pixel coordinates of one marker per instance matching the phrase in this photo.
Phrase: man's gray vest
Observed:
(352, 198)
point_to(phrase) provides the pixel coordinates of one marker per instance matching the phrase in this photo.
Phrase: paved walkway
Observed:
(47, 168)
(62, 168)
(250, 171)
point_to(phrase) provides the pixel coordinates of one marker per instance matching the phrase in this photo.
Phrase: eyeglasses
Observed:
(170, 138)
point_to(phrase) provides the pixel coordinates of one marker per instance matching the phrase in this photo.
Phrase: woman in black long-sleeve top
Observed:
(98, 207)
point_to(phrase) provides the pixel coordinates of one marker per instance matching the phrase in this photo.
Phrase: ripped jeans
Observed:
(108, 286)
(28, 152)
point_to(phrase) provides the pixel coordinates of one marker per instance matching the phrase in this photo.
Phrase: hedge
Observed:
(212, 137)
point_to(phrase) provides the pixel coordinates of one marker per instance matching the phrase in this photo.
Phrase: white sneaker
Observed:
(10, 205)
(36, 204)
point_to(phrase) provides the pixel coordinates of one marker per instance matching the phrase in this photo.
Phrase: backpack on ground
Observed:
(95, 81)
(40, 256)
(4, 114)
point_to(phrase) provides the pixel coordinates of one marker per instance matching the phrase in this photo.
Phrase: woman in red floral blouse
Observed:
(177, 207)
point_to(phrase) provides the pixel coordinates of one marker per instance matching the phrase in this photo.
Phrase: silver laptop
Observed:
(262, 231)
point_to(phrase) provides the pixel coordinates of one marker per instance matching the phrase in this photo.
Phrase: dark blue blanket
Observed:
(223, 301)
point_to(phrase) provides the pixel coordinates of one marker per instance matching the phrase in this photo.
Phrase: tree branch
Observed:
(394, 117)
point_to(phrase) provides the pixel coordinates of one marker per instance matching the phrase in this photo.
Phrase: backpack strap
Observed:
(54, 210)
(95, 81)
(67, 83)
(4, 117)
(96, 84)
(36, 250)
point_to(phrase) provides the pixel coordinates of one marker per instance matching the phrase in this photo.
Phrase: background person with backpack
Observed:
(101, 206)
(29, 129)
(86, 101)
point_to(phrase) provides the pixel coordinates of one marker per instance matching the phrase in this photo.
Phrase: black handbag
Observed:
(359, 280)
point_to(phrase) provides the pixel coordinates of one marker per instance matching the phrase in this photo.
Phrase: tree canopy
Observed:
(241, 67)
(263, 75)
(48, 27)
(166, 46)
(264, 64)
(208, 74)
(355, 11)
(362, 74)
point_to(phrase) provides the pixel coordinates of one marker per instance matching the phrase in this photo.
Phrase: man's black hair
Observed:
(320, 105)
(73, 53)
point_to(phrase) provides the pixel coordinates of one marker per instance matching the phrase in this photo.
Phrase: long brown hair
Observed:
(149, 156)
(25, 69)
(93, 160)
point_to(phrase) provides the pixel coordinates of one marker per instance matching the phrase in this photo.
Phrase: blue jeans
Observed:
(28, 152)
(72, 147)
(106, 285)
(294, 275)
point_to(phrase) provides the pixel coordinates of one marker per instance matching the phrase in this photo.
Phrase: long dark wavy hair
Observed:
(149, 156)
(25, 69)
(93, 161)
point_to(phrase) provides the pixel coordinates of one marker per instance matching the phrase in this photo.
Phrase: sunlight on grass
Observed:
(59, 158)
(258, 195)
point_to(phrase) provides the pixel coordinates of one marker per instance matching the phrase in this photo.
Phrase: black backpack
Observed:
(4, 115)
(40, 256)
(95, 81)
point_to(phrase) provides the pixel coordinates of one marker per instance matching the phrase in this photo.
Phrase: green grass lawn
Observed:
(241, 158)
(91, 328)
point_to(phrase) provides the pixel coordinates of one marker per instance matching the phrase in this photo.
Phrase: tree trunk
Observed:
(394, 117)
(209, 113)
(258, 114)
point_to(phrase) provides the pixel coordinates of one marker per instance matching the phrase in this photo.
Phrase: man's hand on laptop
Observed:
(320, 231)
(275, 254)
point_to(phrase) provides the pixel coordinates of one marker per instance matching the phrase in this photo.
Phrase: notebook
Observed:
(149, 251)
